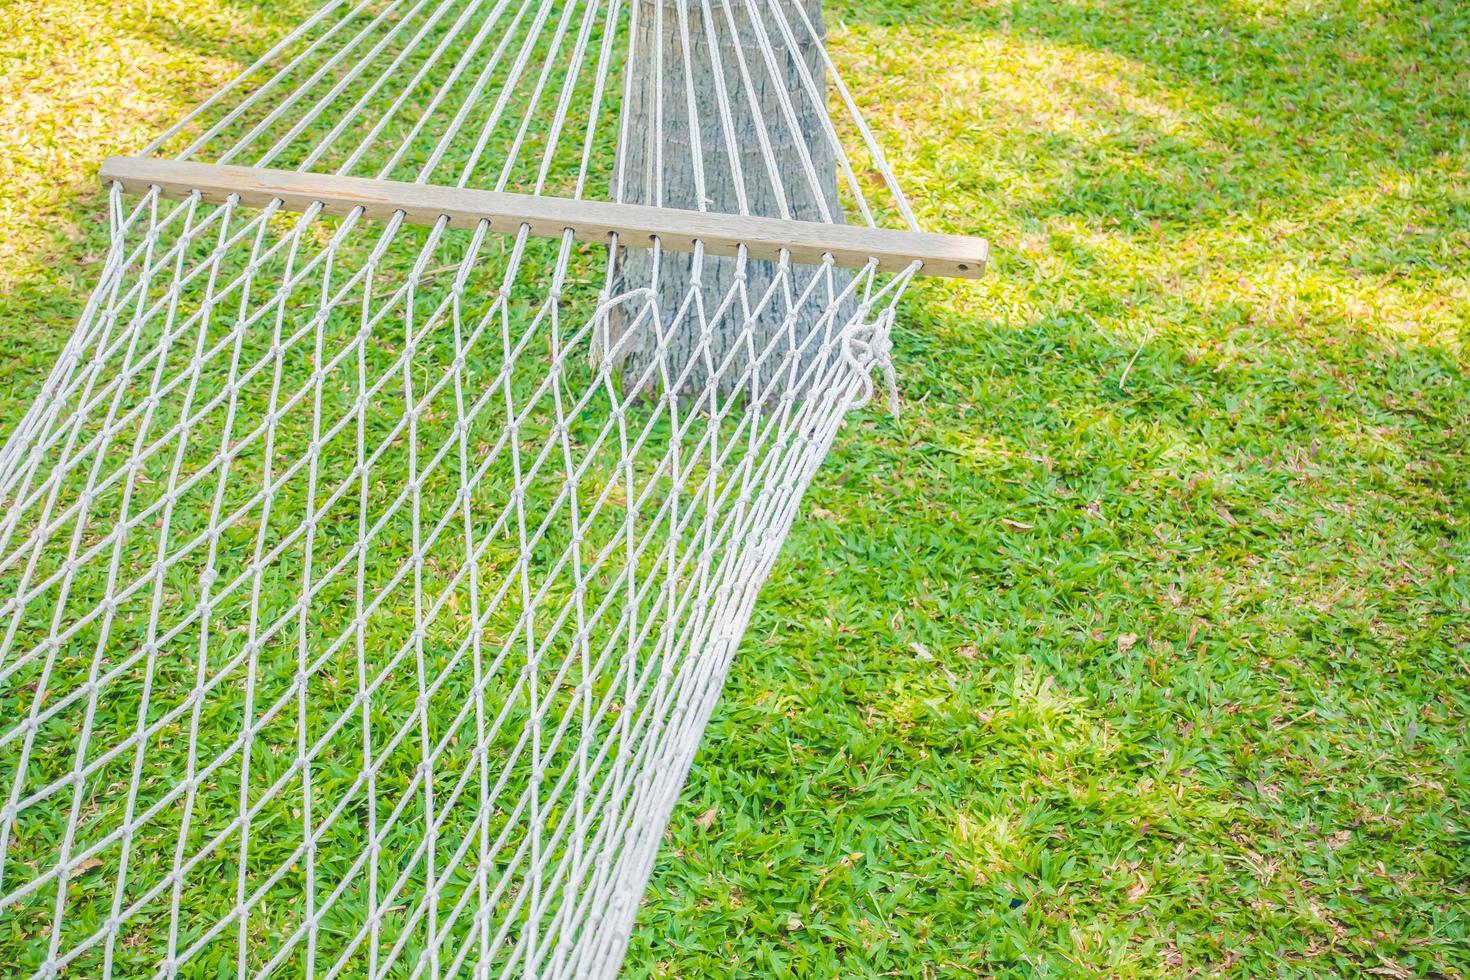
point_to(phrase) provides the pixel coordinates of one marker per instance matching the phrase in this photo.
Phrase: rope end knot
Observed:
(869, 346)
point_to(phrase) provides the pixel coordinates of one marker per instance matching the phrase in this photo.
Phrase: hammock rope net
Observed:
(368, 586)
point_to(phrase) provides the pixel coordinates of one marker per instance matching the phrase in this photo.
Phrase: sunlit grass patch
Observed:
(1137, 645)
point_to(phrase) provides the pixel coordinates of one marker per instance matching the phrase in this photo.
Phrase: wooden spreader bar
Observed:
(591, 221)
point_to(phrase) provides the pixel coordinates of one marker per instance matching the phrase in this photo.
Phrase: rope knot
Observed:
(866, 346)
(602, 348)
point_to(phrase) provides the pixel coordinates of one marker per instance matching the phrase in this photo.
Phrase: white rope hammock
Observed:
(369, 584)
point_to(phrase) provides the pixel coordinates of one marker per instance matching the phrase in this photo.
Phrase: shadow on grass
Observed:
(1130, 647)
(1136, 644)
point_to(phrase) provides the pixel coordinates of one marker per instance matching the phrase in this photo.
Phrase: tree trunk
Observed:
(656, 166)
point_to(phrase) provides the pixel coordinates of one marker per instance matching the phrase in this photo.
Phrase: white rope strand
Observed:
(364, 601)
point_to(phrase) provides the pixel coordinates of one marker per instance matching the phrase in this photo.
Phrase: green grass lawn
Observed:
(1139, 644)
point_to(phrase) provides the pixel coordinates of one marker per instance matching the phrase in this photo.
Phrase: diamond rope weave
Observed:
(367, 587)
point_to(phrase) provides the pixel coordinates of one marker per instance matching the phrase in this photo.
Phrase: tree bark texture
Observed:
(657, 152)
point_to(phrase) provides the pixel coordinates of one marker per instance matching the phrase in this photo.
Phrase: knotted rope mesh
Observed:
(365, 594)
